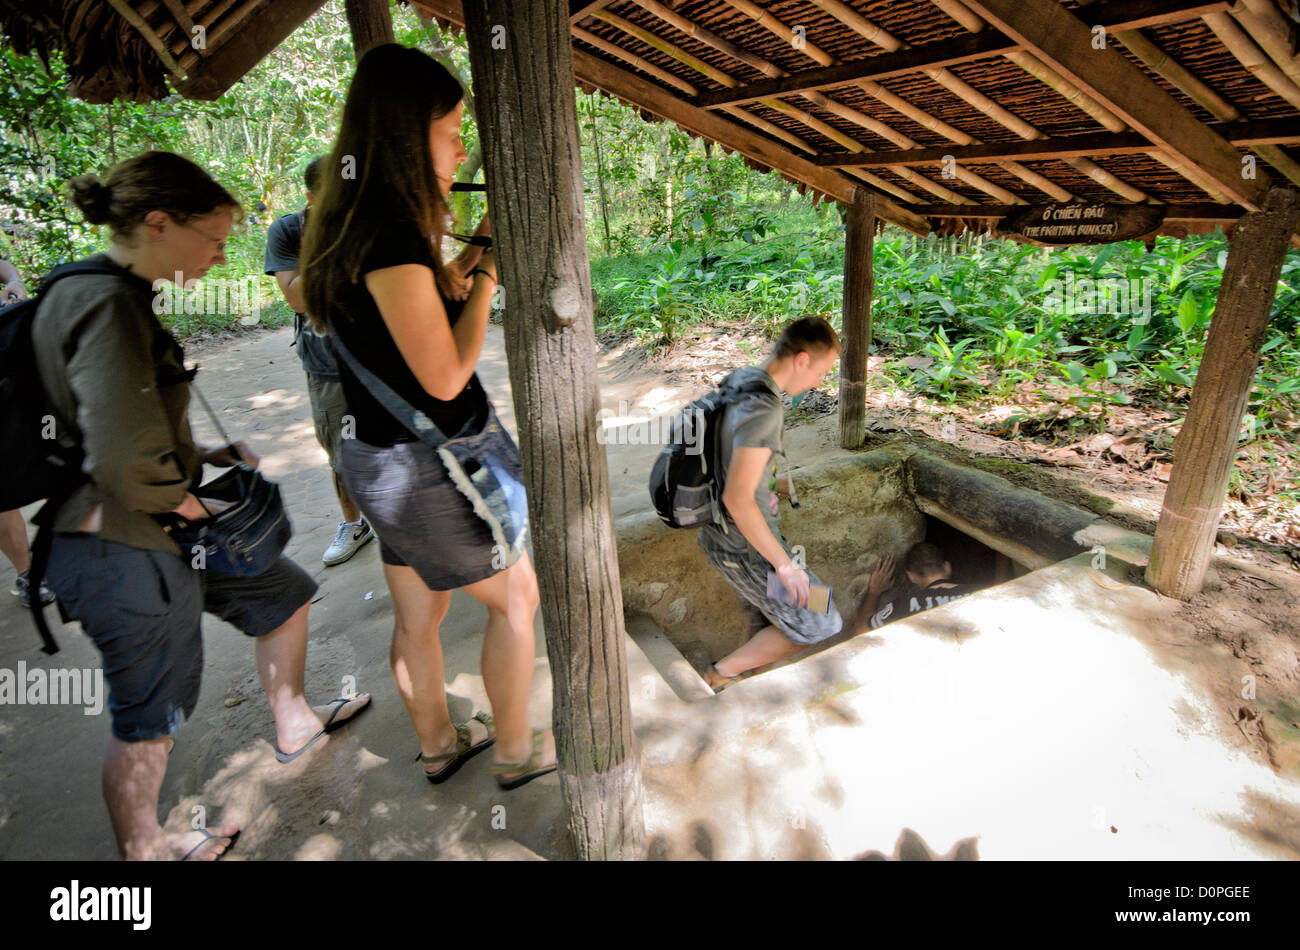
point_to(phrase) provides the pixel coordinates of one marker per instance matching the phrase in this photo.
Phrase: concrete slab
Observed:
(1060, 715)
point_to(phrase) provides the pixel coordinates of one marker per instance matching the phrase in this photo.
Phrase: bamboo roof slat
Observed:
(824, 102)
(150, 37)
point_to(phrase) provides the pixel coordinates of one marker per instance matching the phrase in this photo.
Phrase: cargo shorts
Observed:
(143, 611)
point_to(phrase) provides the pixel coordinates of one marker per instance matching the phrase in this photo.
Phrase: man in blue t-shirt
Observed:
(328, 405)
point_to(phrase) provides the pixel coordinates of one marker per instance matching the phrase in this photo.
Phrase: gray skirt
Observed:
(422, 519)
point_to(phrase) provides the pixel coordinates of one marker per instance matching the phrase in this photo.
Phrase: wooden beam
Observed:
(1207, 442)
(127, 13)
(961, 49)
(213, 75)
(859, 282)
(1175, 212)
(183, 18)
(1055, 35)
(529, 127)
(1143, 14)
(1114, 15)
(371, 24)
(580, 9)
(1265, 132)
(215, 38)
(1093, 143)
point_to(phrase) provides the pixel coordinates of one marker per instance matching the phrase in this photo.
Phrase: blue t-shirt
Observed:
(283, 243)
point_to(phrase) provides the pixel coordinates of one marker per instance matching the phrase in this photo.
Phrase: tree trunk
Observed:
(522, 63)
(371, 23)
(600, 176)
(1207, 442)
(859, 282)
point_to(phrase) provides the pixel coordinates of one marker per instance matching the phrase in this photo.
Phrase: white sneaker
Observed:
(348, 540)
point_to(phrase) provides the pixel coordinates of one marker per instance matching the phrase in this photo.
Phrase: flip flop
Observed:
(330, 726)
(208, 836)
(533, 767)
(464, 750)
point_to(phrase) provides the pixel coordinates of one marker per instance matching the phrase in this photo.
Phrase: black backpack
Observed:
(42, 459)
(687, 481)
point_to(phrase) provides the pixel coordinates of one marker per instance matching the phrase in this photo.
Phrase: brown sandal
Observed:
(531, 768)
(719, 681)
(464, 750)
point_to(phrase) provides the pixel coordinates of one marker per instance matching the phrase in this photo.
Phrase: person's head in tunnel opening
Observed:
(930, 574)
(925, 564)
(398, 148)
(803, 354)
(166, 215)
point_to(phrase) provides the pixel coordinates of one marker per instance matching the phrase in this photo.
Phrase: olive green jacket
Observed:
(117, 378)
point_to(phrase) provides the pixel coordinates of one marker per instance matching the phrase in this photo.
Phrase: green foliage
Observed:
(255, 140)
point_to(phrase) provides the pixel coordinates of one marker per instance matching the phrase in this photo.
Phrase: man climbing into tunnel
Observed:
(930, 573)
(747, 545)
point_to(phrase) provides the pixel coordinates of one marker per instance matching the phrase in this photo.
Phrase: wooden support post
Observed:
(859, 282)
(1207, 443)
(522, 65)
(371, 23)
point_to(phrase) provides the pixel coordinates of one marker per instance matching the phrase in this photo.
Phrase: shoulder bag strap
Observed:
(415, 421)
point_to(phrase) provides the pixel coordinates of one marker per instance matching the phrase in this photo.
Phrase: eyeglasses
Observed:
(219, 242)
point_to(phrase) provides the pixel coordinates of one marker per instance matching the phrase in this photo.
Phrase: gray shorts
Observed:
(422, 519)
(328, 407)
(747, 573)
(143, 608)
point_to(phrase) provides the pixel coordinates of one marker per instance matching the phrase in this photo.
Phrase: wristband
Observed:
(479, 270)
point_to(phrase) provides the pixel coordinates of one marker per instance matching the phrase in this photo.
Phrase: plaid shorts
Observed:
(747, 571)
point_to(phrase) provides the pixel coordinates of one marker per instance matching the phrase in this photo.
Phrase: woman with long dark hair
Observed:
(375, 278)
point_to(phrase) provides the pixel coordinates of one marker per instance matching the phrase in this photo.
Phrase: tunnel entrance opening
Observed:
(973, 562)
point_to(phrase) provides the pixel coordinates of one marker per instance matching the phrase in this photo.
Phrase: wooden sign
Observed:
(1077, 222)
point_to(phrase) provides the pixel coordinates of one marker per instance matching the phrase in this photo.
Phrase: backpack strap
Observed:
(76, 268)
(730, 393)
(414, 420)
(41, 546)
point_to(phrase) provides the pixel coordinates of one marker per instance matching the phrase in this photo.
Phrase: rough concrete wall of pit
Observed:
(851, 512)
(849, 509)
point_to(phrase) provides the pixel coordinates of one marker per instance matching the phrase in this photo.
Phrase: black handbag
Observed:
(244, 539)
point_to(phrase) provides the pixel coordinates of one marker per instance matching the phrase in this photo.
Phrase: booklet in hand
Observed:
(819, 595)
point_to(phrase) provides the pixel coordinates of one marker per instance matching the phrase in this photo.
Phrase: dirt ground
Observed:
(320, 808)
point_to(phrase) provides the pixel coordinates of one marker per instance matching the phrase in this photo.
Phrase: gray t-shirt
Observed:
(754, 420)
